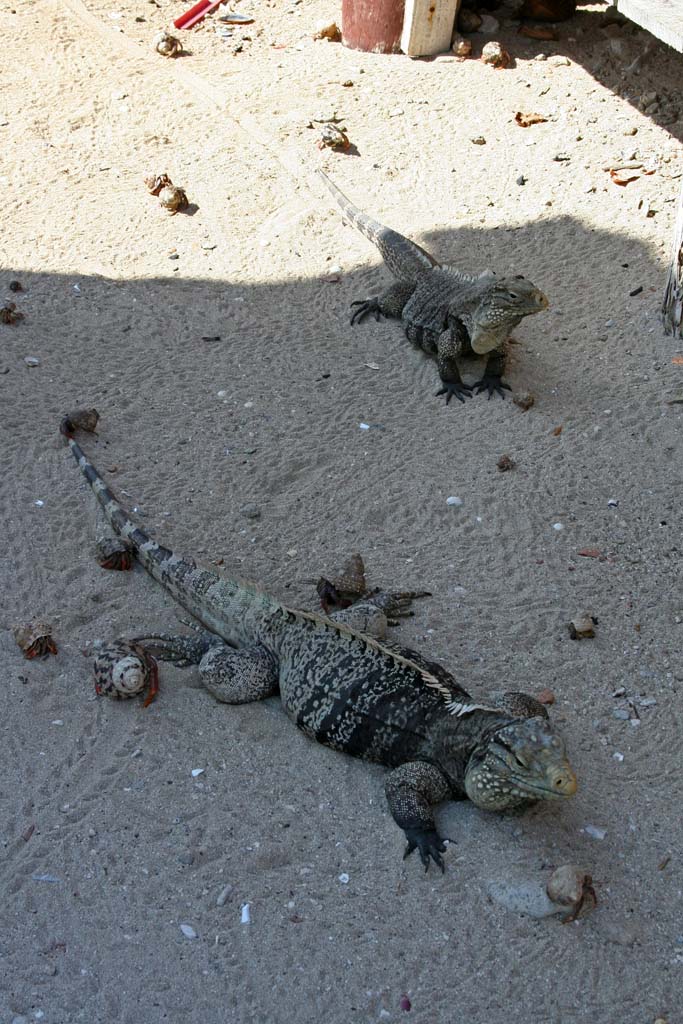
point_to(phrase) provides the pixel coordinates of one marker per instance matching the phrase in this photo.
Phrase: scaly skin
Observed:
(445, 312)
(351, 691)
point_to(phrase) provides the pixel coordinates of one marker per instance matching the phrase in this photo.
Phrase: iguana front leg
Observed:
(450, 345)
(492, 379)
(390, 303)
(411, 789)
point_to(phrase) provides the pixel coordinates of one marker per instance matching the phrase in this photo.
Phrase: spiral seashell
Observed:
(124, 669)
(173, 198)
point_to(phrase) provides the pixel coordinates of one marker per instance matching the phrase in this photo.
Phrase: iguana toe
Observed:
(492, 384)
(365, 306)
(428, 843)
(454, 389)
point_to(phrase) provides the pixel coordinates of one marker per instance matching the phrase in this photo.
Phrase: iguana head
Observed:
(524, 760)
(503, 305)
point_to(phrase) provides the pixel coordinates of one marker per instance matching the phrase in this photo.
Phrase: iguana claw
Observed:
(454, 388)
(428, 843)
(365, 306)
(492, 384)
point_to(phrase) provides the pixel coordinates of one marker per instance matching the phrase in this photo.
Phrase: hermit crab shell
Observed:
(123, 670)
(173, 198)
(35, 639)
(114, 553)
(167, 45)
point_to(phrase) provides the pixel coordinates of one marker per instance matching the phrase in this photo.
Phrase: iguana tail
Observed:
(232, 609)
(404, 258)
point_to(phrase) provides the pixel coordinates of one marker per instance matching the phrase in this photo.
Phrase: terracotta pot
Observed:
(372, 25)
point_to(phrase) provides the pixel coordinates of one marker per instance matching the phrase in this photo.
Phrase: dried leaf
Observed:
(557, 431)
(525, 120)
(590, 553)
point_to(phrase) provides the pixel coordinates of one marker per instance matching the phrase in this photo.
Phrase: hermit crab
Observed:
(124, 669)
(35, 639)
(170, 196)
(167, 45)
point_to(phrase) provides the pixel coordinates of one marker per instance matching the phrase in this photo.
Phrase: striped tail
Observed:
(232, 609)
(404, 258)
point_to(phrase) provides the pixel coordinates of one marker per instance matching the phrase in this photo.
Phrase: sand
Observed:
(119, 300)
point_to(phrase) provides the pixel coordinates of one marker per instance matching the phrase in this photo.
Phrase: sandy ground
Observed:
(119, 298)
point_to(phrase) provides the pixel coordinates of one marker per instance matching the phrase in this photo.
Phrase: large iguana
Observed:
(444, 311)
(347, 687)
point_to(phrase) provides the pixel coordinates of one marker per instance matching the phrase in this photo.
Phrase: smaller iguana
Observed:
(344, 685)
(444, 311)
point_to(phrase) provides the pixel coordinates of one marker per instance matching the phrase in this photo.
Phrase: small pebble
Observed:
(364, 426)
(521, 180)
(524, 400)
(251, 512)
(31, 361)
(618, 756)
(39, 503)
(223, 895)
(246, 916)
(612, 503)
(221, 394)
(405, 1003)
(453, 501)
(196, 772)
(489, 25)
(15, 286)
(558, 526)
(344, 878)
(594, 832)
(523, 897)
(188, 931)
(622, 714)
(479, 141)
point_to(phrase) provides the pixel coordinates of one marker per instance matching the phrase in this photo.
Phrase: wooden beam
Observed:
(663, 18)
(672, 308)
(428, 26)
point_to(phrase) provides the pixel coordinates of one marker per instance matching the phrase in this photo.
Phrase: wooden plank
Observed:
(428, 26)
(663, 18)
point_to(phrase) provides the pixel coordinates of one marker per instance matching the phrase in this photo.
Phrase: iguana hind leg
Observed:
(181, 650)
(450, 345)
(411, 790)
(373, 613)
(239, 676)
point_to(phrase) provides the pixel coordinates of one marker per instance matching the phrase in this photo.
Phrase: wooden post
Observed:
(428, 26)
(372, 25)
(672, 307)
